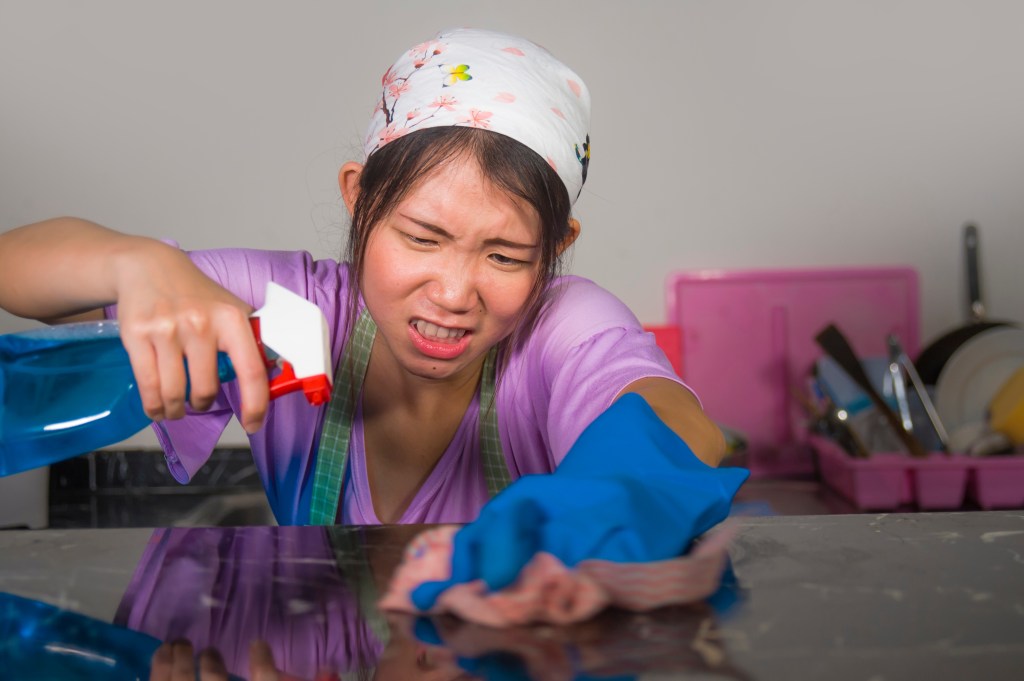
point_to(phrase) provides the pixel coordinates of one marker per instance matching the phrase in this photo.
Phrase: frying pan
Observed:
(934, 357)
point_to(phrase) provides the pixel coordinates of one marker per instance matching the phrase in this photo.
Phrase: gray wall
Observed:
(726, 134)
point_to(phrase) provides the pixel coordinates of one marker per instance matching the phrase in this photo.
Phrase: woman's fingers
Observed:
(200, 345)
(236, 338)
(142, 356)
(173, 662)
(183, 665)
(170, 364)
(160, 665)
(261, 663)
(161, 346)
(211, 666)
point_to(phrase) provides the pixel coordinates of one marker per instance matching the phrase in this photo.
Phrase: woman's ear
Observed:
(574, 232)
(348, 181)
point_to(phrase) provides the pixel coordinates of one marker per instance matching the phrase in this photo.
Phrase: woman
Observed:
(463, 361)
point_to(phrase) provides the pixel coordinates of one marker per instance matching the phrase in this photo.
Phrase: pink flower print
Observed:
(390, 134)
(396, 89)
(477, 119)
(558, 113)
(426, 48)
(505, 97)
(551, 162)
(389, 77)
(575, 87)
(514, 50)
(444, 102)
(412, 114)
(423, 52)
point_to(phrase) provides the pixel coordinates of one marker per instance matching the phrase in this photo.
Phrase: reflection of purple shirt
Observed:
(225, 588)
(587, 346)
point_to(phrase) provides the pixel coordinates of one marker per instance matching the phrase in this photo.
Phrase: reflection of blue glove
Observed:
(629, 490)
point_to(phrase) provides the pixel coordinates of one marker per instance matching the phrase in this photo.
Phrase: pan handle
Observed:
(975, 306)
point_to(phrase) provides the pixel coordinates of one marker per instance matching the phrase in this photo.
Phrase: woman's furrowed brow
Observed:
(440, 231)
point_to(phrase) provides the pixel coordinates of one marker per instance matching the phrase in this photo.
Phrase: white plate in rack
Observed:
(974, 374)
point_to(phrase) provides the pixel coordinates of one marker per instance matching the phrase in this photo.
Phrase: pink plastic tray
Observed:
(748, 342)
(876, 484)
(939, 482)
(997, 482)
(889, 480)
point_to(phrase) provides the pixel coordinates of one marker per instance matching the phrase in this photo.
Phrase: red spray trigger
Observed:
(291, 333)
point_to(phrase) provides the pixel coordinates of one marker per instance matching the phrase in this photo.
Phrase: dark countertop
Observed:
(854, 596)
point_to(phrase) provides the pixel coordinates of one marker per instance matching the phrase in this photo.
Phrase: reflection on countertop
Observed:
(847, 596)
(311, 594)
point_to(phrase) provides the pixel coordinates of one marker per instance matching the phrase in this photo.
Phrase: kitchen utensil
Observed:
(831, 421)
(899, 387)
(975, 373)
(833, 342)
(901, 358)
(933, 358)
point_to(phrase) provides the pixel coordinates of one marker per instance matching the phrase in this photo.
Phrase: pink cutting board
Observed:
(748, 341)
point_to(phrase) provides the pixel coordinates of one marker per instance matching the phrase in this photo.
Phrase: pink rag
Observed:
(547, 591)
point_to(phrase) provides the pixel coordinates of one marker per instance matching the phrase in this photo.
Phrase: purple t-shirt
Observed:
(585, 348)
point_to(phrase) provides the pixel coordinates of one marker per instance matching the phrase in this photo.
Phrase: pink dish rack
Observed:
(747, 340)
(892, 480)
(747, 343)
(939, 482)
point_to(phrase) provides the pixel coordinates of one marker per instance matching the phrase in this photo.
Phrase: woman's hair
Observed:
(393, 171)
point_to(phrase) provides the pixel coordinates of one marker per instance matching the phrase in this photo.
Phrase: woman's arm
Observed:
(680, 410)
(61, 267)
(168, 309)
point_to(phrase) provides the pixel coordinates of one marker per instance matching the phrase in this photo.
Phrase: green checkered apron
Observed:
(332, 456)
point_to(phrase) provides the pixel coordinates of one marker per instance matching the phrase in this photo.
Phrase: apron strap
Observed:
(494, 464)
(332, 454)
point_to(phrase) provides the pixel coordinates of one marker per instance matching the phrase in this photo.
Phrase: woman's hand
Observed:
(176, 661)
(168, 309)
(629, 490)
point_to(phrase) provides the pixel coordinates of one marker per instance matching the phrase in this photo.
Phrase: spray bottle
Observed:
(68, 390)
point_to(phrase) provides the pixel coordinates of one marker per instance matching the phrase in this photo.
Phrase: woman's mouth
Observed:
(438, 342)
(435, 332)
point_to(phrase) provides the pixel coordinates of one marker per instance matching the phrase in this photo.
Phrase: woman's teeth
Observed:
(441, 333)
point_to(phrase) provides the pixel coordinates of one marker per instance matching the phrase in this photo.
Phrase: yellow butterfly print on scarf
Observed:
(455, 74)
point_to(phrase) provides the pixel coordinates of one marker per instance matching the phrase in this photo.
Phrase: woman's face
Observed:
(448, 273)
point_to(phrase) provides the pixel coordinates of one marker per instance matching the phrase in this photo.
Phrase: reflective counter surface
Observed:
(870, 597)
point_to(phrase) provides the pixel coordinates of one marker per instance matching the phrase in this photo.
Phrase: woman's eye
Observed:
(506, 261)
(420, 242)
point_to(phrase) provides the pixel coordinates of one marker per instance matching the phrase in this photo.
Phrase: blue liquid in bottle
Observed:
(39, 641)
(68, 390)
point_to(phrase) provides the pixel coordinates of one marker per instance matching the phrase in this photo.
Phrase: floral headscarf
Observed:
(491, 81)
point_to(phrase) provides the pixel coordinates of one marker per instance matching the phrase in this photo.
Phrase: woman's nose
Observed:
(455, 288)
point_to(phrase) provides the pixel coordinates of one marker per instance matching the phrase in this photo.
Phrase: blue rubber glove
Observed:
(629, 490)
